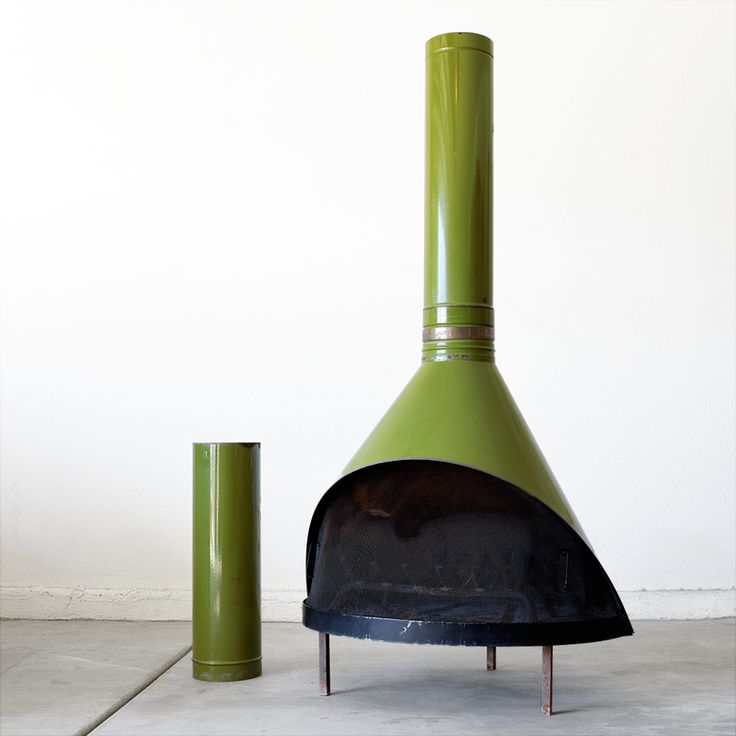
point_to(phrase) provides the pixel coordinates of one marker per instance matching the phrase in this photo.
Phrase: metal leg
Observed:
(547, 680)
(324, 664)
(490, 658)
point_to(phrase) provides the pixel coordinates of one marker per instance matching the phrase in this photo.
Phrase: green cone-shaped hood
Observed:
(461, 411)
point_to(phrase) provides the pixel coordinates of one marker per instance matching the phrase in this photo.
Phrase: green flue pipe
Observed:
(226, 611)
(458, 251)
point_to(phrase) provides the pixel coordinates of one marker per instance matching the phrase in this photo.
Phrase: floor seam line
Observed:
(134, 693)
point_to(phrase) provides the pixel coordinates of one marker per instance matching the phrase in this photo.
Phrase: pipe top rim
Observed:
(226, 444)
(459, 40)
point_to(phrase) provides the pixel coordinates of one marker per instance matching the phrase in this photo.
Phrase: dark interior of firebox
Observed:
(433, 541)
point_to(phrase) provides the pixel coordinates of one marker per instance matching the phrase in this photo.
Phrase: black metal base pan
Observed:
(465, 634)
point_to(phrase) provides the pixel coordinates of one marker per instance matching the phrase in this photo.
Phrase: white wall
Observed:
(211, 224)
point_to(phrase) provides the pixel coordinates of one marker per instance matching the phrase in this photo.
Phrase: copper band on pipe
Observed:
(457, 332)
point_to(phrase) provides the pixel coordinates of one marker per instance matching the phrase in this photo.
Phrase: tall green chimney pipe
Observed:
(458, 207)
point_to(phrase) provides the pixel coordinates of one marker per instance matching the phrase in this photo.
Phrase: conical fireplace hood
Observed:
(461, 412)
(455, 432)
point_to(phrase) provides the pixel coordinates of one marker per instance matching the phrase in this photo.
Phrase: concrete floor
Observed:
(672, 677)
(63, 677)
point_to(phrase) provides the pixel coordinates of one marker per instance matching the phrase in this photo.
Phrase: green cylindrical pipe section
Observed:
(458, 291)
(226, 613)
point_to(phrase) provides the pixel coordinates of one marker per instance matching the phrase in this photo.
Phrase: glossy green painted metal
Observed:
(458, 246)
(461, 411)
(457, 407)
(226, 615)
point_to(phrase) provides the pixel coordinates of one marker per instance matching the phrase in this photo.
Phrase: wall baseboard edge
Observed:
(157, 604)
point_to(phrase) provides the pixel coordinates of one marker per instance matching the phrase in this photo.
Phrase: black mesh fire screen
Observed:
(427, 551)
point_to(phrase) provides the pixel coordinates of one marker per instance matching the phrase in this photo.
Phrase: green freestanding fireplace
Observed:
(447, 526)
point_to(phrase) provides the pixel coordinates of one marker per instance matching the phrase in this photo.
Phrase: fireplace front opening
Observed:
(426, 551)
